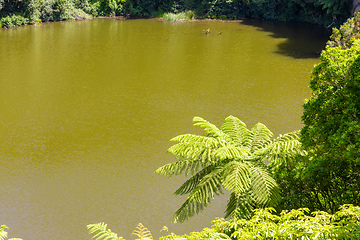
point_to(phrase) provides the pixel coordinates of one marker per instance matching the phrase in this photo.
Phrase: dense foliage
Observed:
(294, 224)
(343, 37)
(232, 157)
(332, 127)
(265, 224)
(329, 176)
(315, 11)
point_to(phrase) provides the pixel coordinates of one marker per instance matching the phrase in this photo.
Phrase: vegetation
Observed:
(316, 11)
(318, 167)
(181, 16)
(13, 21)
(329, 176)
(3, 234)
(344, 36)
(100, 232)
(264, 224)
(232, 157)
(294, 224)
(332, 127)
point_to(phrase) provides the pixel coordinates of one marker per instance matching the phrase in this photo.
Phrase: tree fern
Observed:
(100, 232)
(231, 157)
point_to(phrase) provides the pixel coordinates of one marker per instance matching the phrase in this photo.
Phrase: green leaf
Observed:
(236, 177)
(100, 232)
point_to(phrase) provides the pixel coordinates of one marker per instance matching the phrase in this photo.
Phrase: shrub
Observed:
(182, 16)
(343, 37)
(265, 224)
(13, 21)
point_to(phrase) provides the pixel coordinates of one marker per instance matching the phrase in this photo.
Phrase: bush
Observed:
(13, 21)
(265, 224)
(294, 224)
(343, 37)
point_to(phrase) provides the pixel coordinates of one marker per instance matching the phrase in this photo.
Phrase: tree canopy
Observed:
(332, 128)
(324, 12)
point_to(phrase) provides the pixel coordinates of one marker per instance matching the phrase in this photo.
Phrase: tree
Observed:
(343, 37)
(232, 158)
(331, 133)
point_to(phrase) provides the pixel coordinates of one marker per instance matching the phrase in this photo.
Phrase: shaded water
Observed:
(88, 108)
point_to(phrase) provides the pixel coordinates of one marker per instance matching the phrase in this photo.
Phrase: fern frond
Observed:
(236, 130)
(100, 232)
(231, 152)
(194, 147)
(178, 167)
(208, 187)
(238, 207)
(187, 210)
(192, 182)
(283, 147)
(260, 136)
(3, 234)
(236, 177)
(142, 232)
(264, 189)
(210, 129)
(200, 196)
(196, 139)
(174, 168)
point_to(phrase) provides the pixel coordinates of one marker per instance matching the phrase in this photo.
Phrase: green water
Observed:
(87, 110)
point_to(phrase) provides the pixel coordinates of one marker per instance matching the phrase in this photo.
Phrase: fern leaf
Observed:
(194, 147)
(3, 234)
(178, 167)
(236, 177)
(231, 152)
(283, 147)
(200, 151)
(208, 187)
(191, 183)
(196, 139)
(265, 191)
(142, 232)
(210, 129)
(200, 196)
(187, 210)
(238, 207)
(260, 136)
(100, 232)
(236, 130)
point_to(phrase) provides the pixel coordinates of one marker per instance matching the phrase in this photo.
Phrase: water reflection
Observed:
(301, 40)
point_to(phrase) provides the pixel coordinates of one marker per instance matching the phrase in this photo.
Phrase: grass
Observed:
(182, 16)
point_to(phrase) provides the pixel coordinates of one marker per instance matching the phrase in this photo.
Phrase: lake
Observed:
(88, 109)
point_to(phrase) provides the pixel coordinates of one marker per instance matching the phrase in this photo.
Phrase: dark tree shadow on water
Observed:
(302, 40)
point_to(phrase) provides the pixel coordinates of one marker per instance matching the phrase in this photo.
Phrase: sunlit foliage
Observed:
(233, 158)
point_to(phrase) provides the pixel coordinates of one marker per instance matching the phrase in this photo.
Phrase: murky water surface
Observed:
(87, 110)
